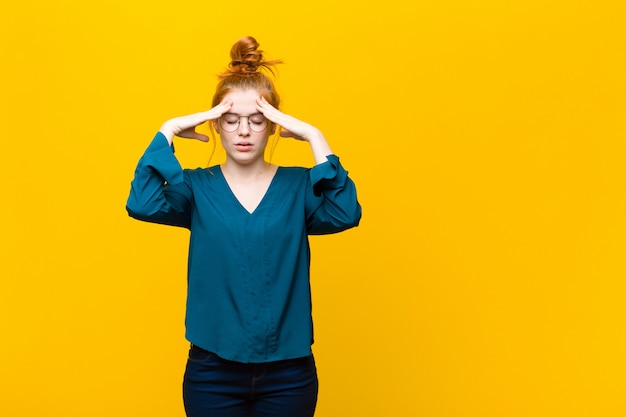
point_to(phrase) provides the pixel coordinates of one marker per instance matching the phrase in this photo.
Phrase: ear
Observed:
(273, 129)
(216, 126)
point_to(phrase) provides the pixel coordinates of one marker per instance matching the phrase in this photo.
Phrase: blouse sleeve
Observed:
(158, 192)
(332, 204)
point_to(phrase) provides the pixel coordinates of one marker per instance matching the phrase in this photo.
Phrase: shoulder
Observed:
(202, 173)
(292, 173)
(293, 170)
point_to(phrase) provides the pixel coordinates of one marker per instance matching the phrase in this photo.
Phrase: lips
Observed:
(243, 146)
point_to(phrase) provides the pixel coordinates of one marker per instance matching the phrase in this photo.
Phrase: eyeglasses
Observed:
(230, 122)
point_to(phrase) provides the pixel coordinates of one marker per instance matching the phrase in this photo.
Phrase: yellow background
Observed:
(487, 142)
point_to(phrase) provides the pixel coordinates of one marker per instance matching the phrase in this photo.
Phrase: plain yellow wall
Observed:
(487, 140)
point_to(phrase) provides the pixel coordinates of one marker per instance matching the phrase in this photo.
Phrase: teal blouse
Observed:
(248, 296)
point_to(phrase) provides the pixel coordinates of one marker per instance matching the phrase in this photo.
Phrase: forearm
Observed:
(319, 146)
(333, 205)
(157, 167)
(168, 132)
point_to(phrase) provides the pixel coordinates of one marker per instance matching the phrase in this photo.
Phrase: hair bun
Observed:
(247, 70)
(245, 55)
(244, 66)
(247, 58)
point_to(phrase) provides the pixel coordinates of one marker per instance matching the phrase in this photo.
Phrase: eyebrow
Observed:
(241, 115)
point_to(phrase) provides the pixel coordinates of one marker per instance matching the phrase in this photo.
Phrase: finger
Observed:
(191, 133)
(225, 104)
(270, 112)
(201, 137)
(217, 111)
(264, 105)
(195, 135)
(284, 133)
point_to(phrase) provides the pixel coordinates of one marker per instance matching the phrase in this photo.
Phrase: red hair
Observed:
(246, 71)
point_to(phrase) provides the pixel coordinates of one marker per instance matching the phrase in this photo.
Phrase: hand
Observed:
(185, 126)
(294, 128)
(291, 127)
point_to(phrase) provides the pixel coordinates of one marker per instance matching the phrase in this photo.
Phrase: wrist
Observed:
(167, 131)
(314, 136)
(320, 148)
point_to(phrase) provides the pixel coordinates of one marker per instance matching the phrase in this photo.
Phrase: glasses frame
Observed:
(221, 120)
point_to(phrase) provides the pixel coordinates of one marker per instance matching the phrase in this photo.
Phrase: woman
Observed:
(248, 312)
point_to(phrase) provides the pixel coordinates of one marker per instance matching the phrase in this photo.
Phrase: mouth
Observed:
(243, 146)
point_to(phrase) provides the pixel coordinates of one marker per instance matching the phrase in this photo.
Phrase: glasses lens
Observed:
(230, 122)
(257, 123)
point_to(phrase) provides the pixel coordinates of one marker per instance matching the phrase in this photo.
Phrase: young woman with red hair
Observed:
(248, 315)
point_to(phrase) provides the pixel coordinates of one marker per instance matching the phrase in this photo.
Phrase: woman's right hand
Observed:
(185, 126)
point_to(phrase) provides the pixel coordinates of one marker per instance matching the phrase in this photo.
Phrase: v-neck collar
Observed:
(236, 200)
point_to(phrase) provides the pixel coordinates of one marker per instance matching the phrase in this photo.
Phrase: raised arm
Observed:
(297, 129)
(331, 203)
(158, 192)
(185, 126)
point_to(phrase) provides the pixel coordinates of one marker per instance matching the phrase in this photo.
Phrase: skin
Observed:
(245, 169)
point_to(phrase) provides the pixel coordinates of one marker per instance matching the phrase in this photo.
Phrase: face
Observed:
(243, 130)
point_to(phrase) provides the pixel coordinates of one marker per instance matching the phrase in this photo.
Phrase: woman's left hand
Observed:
(291, 127)
(297, 129)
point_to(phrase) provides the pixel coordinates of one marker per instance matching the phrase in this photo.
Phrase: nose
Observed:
(244, 127)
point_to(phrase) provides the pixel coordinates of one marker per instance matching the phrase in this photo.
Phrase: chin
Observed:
(245, 157)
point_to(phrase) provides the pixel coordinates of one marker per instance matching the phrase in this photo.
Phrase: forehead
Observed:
(243, 100)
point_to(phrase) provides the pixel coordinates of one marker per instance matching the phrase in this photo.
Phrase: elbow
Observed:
(341, 222)
(141, 205)
(135, 212)
(138, 211)
(355, 219)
